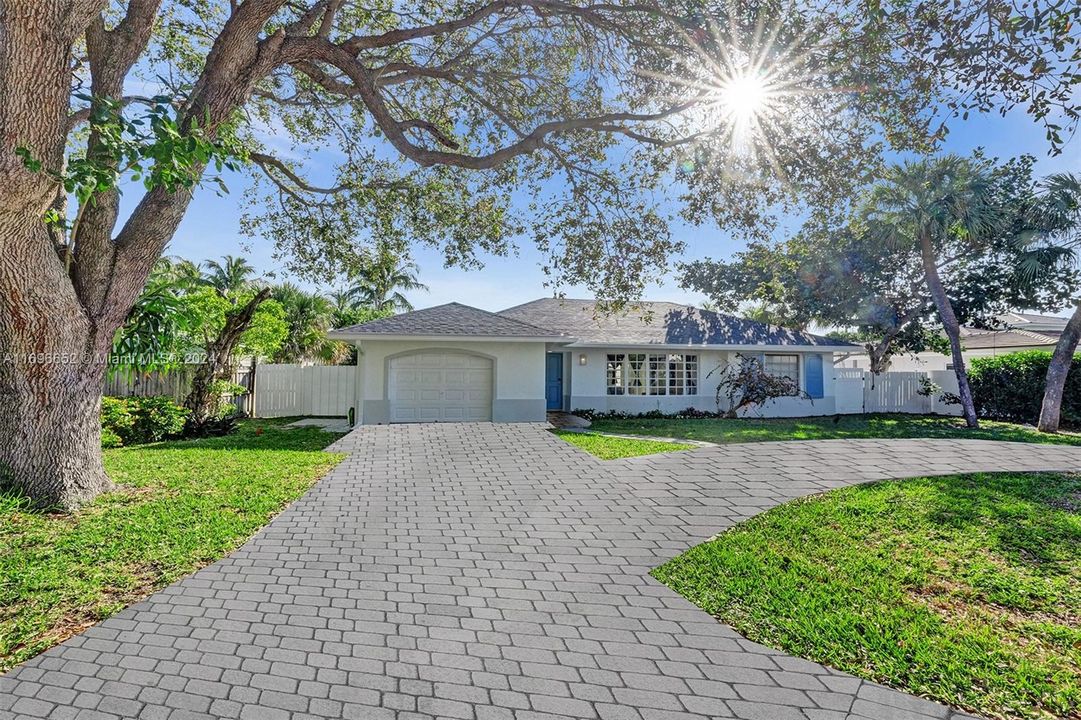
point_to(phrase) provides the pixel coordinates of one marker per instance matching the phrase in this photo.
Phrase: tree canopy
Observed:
(850, 276)
(424, 115)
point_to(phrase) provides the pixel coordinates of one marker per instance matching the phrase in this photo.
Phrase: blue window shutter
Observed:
(815, 386)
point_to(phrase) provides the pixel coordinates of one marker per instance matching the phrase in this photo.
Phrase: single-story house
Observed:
(459, 363)
(1014, 332)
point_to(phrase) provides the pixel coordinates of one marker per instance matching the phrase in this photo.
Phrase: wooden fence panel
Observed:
(174, 384)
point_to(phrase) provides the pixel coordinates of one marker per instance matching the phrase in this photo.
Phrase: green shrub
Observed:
(223, 392)
(109, 439)
(130, 421)
(1010, 387)
(116, 421)
(157, 418)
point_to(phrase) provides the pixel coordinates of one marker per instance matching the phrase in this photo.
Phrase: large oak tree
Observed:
(433, 115)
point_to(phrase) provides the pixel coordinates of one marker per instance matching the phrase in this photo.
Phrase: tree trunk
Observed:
(52, 364)
(201, 401)
(51, 367)
(50, 440)
(951, 326)
(1055, 384)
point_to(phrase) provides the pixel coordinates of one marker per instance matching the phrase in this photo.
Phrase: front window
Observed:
(637, 374)
(617, 378)
(782, 366)
(652, 374)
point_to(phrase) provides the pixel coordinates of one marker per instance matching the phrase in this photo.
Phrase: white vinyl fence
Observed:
(329, 391)
(321, 390)
(860, 391)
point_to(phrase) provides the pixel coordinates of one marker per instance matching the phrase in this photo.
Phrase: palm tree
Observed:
(228, 277)
(929, 205)
(383, 278)
(309, 316)
(342, 300)
(1056, 219)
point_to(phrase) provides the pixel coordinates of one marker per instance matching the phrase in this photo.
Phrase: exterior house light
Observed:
(582, 359)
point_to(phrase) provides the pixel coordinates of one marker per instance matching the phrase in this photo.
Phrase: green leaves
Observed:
(152, 148)
(182, 310)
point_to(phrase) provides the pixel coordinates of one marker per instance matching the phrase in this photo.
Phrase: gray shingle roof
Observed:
(984, 339)
(452, 319)
(668, 324)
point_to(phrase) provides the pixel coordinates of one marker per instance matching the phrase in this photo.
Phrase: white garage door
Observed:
(440, 387)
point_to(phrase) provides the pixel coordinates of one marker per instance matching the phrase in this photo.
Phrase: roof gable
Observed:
(451, 320)
(658, 323)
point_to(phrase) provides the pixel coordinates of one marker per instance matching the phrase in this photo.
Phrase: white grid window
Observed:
(652, 374)
(637, 375)
(782, 366)
(658, 374)
(617, 378)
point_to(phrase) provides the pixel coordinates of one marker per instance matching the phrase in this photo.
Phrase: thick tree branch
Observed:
(315, 49)
(111, 55)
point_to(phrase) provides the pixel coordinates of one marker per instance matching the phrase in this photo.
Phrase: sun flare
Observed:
(742, 101)
(744, 97)
(755, 86)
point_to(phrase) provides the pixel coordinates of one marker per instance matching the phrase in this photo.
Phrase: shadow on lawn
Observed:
(1005, 506)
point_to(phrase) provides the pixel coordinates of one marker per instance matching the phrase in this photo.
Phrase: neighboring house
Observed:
(1017, 331)
(457, 363)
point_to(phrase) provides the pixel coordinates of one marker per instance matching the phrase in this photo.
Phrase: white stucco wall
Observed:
(518, 376)
(589, 386)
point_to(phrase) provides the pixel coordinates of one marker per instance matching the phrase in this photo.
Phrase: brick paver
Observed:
(485, 572)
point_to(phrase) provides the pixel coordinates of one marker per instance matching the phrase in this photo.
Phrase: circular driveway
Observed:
(486, 572)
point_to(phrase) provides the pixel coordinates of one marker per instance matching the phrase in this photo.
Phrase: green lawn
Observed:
(179, 506)
(965, 589)
(831, 427)
(610, 448)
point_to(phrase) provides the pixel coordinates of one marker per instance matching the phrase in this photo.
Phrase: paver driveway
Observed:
(485, 571)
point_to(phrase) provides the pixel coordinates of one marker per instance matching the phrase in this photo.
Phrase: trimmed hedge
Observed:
(1010, 387)
(135, 420)
(690, 413)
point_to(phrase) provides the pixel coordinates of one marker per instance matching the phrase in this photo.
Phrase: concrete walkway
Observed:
(485, 572)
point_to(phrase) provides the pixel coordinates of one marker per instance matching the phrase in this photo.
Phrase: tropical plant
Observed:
(938, 207)
(382, 279)
(180, 319)
(229, 277)
(843, 275)
(153, 338)
(308, 317)
(1055, 218)
(248, 322)
(746, 383)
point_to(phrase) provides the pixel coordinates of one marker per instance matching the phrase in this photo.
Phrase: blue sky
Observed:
(212, 228)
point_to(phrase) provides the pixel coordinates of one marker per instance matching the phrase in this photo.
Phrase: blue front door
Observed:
(815, 384)
(553, 381)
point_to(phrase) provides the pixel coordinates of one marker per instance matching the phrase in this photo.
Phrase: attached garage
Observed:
(450, 363)
(440, 387)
